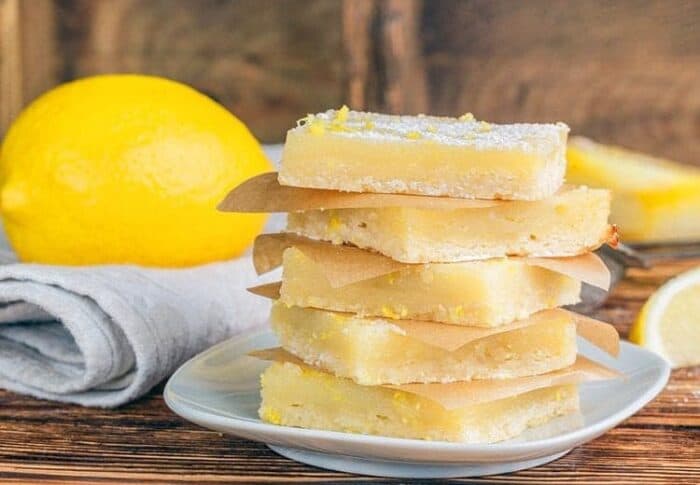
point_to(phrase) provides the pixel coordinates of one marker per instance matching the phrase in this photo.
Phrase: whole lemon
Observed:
(126, 169)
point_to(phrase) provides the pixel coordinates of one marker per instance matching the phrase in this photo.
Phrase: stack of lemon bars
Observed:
(425, 262)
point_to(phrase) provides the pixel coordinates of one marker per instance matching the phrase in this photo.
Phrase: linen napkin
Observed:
(105, 335)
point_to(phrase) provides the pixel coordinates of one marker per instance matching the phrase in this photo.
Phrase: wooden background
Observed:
(625, 71)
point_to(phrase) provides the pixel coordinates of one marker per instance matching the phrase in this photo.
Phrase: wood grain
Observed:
(268, 62)
(383, 56)
(10, 63)
(145, 443)
(405, 88)
(624, 72)
(28, 63)
(358, 16)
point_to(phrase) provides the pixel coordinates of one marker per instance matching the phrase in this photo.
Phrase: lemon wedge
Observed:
(669, 323)
(654, 200)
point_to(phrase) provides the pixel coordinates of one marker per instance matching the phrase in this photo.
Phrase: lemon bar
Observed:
(379, 351)
(481, 293)
(293, 395)
(572, 222)
(654, 200)
(425, 155)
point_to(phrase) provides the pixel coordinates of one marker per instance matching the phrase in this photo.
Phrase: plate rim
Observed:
(192, 412)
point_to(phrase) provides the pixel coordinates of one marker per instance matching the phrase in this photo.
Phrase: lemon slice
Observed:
(669, 323)
(653, 199)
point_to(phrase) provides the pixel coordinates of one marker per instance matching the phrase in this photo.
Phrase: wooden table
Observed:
(145, 442)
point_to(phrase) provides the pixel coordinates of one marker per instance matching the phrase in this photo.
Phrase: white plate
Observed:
(219, 389)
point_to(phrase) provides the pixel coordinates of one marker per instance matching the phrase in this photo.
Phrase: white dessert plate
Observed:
(219, 389)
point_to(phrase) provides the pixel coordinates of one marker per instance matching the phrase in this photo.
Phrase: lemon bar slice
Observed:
(379, 351)
(481, 293)
(426, 155)
(572, 222)
(293, 395)
(654, 200)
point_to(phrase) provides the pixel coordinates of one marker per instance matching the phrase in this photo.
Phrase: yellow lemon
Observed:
(126, 169)
(669, 323)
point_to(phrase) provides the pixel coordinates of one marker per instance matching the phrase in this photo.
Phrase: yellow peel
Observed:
(126, 169)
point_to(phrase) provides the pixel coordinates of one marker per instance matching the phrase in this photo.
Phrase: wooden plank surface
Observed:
(144, 442)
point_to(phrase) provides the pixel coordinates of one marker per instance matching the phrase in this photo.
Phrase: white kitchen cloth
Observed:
(105, 335)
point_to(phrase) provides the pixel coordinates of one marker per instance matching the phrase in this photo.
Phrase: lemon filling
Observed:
(308, 398)
(461, 157)
(374, 351)
(480, 293)
(572, 222)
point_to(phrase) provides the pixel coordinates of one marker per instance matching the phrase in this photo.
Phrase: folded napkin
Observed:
(105, 335)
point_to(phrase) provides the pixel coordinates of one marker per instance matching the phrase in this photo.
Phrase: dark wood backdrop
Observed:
(625, 71)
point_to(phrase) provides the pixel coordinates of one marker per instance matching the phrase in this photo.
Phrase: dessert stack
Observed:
(425, 262)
